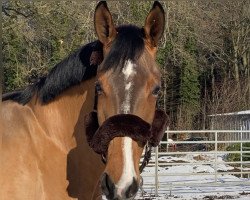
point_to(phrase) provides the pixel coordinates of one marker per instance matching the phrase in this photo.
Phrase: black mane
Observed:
(69, 72)
(76, 68)
(128, 44)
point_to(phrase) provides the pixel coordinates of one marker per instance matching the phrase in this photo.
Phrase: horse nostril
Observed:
(132, 189)
(107, 185)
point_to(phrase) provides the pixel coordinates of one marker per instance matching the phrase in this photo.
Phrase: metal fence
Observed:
(235, 153)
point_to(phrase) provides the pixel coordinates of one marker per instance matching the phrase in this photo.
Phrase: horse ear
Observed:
(104, 25)
(154, 24)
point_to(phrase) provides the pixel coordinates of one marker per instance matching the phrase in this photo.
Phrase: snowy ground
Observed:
(174, 184)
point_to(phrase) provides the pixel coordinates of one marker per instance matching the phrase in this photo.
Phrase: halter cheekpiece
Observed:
(122, 125)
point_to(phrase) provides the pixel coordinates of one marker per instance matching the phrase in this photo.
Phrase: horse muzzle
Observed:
(110, 191)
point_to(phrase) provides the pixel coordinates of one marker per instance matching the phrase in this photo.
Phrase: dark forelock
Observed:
(128, 45)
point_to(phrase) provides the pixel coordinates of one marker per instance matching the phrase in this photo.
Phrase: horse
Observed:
(47, 151)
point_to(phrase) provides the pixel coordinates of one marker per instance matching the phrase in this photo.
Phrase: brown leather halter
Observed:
(127, 125)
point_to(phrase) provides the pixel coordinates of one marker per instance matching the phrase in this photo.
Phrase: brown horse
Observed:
(45, 153)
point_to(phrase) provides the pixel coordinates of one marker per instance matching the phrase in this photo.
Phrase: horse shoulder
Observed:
(20, 169)
(32, 163)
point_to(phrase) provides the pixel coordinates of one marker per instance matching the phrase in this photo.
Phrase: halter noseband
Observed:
(125, 125)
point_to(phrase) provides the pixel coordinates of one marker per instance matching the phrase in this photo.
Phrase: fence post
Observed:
(216, 149)
(241, 146)
(167, 138)
(156, 171)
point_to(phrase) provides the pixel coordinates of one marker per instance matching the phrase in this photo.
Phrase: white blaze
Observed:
(128, 164)
(129, 72)
(128, 69)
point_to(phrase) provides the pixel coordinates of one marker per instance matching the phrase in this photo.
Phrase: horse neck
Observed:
(59, 117)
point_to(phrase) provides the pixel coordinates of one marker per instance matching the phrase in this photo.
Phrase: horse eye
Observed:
(156, 90)
(98, 88)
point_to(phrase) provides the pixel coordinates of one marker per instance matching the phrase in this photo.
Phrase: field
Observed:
(198, 186)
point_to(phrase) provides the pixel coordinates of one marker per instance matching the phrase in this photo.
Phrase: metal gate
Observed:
(227, 163)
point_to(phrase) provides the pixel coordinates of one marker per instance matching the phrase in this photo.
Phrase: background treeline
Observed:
(204, 54)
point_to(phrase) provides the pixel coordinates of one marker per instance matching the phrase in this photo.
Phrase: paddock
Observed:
(203, 174)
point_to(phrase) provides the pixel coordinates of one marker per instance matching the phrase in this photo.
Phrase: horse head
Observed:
(128, 83)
